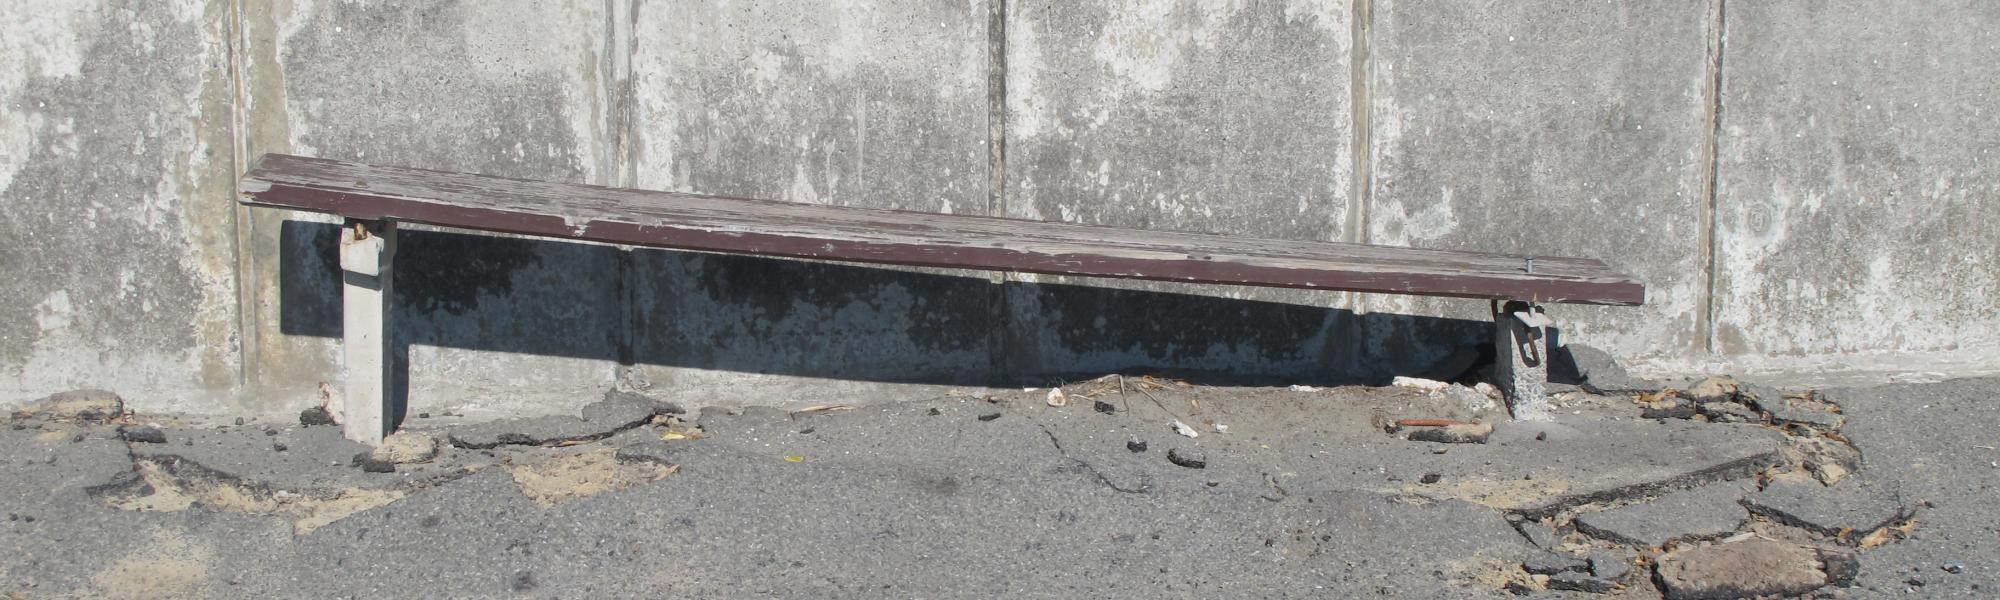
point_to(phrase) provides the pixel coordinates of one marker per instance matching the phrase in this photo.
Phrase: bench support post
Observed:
(1521, 359)
(367, 251)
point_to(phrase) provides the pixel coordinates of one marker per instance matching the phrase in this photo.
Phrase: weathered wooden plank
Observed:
(711, 223)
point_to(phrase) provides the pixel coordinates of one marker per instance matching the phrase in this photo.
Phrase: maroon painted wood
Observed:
(712, 223)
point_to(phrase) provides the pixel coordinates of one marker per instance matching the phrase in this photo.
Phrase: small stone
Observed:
(405, 447)
(1103, 407)
(1474, 433)
(1135, 445)
(1578, 582)
(315, 416)
(1549, 563)
(1187, 458)
(146, 434)
(1429, 478)
(989, 416)
(82, 405)
(270, 431)
(239, 421)
(279, 447)
(423, 415)
(378, 467)
(934, 412)
(1754, 567)
(1953, 568)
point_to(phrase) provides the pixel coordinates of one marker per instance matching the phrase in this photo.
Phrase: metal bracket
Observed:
(1521, 345)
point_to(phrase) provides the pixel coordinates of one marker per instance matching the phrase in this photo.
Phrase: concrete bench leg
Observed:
(1521, 362)
(367, 249)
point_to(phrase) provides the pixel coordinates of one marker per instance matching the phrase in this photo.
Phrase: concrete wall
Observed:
(1800, 184)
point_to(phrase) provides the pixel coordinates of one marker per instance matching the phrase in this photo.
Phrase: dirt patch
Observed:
(167, 484)
(168, 566)
(559, 479)
(1494, 574)
(1504, 494)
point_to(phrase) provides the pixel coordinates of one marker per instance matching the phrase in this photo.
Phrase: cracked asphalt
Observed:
(1308, 493)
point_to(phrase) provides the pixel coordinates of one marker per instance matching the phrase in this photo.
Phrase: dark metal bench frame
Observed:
(374, 198)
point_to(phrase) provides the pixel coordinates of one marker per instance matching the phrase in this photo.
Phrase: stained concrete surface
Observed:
(1550, 128)
(1856, 179)
(926, 497)
(114, 153)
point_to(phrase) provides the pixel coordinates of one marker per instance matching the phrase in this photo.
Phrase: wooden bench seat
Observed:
(373, 198)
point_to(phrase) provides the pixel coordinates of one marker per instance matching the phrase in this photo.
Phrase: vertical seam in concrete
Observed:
(1001, 349)
(1360, 151)
(620, 46)
(1711, 149)
(246, 305)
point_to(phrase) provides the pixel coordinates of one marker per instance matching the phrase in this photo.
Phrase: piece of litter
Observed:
(674, 435)
(1029, 389)
(1183, 429)
(824, 408)
(1057, 398)
(1428, 385)
(1220, 428)
(1304, 388)
(795, 458)
(1738, 537)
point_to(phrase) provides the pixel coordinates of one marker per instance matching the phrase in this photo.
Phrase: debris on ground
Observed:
(93, 406)
(316, 416)
(1057, 399)
(1713, 389)
(1750, 568)
(1464, 433)
(820, 408)
(1419, 383)
(1184, 429)
(1135, 445)
(989, 416)
(143, 434)
(1187, 458)
(406, 447)
(1578, 582)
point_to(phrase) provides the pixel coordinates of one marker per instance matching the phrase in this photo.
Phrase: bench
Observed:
(372, 199)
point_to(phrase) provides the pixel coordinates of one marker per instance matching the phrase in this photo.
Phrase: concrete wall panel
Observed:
(870, 103)
(115, 210)
(1226, 118)
(1557, 128)
(1857, 200)
(511, 88)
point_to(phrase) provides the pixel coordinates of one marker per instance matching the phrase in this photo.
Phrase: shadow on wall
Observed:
(814, 319)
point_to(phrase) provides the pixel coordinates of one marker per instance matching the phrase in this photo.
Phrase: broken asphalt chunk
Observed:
(1701, 513)
(1578, 582)
(315, 416)
(145, 434)
(1857, 506)
(1550, 563)
(1750, 568)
